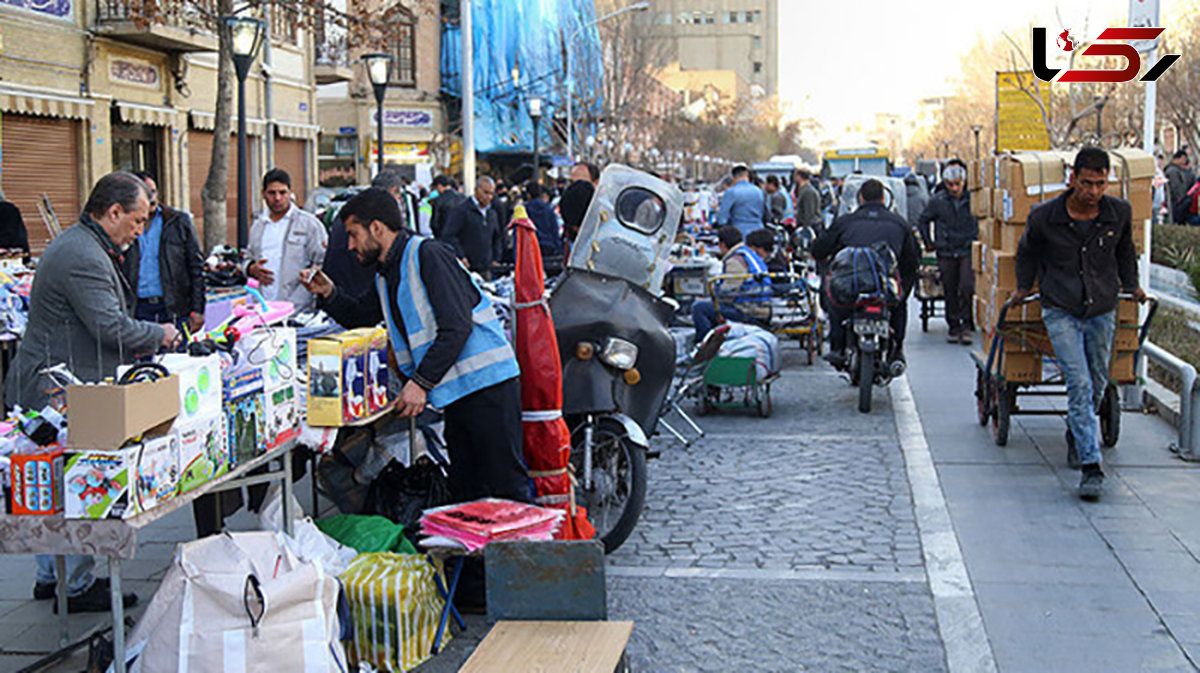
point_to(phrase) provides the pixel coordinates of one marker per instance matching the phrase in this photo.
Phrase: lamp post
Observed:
(379, 70)
(635, 7)
(535, 113)
(246, 34)
(976, 128)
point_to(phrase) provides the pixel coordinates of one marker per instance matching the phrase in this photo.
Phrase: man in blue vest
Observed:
(447, 341)
(747, 302)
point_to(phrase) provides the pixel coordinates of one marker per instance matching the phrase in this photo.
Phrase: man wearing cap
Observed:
(955, 228)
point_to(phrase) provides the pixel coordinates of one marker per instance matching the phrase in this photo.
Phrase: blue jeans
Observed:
(705, 316)
(79, 572)
(1082, 346)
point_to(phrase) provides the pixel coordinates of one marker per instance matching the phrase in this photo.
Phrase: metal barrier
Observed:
(1189, 400)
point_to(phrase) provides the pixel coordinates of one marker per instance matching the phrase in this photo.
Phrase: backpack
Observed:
(860, 273)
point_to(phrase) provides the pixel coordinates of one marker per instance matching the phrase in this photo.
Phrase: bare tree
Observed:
(214, 197)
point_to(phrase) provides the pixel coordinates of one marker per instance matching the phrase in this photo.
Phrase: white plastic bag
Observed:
(307, 541)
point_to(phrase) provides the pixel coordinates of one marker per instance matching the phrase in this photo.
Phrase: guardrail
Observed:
(1189, 400)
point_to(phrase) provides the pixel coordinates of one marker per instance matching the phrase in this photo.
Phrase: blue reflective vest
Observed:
(753, 289)
(486, 358)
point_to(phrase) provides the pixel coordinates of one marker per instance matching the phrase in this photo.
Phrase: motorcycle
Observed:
(618, 356)
(868, 348)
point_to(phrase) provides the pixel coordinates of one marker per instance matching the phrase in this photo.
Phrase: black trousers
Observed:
(483, 437)
(958, 283)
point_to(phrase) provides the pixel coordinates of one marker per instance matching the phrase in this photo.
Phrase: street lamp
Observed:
(379, 70)
(535, 113)
(635, 7)
(976, 128)
(246, 34)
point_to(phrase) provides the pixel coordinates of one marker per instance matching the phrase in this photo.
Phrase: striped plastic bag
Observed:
(395, 607)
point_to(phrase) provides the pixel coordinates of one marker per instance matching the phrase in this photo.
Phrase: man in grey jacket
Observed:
(80, 314)
(284, 240)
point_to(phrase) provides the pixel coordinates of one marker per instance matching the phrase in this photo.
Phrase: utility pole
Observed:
(468, 96)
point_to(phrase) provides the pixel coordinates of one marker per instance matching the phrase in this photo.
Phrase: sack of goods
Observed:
(863, 273)
(240, 602)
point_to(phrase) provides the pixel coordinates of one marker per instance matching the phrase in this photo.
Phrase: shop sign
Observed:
(61, 9)
(137, 73)
(402, 153)
(412, 119)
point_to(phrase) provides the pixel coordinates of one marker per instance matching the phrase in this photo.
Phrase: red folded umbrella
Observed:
(547, 444)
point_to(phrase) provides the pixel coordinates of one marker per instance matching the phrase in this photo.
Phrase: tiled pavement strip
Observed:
(792, 543)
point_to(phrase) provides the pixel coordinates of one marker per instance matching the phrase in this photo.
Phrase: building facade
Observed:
(91, 86)
(737, 35)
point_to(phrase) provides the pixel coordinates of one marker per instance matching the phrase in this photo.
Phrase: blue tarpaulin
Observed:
(519, 54)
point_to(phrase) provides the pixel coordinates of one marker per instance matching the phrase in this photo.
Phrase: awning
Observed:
(43, 104)
(207, 121)
(151, 115)
(298, 131)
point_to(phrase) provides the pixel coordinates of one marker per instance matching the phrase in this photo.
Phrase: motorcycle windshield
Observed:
(629, 228)
(895, 194)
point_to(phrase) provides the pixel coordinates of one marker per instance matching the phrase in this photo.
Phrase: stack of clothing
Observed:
(473, 525)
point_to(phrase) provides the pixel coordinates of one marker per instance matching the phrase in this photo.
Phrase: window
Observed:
(684, 17)
(641, 210)
(758, 67)
(757, 16)
(747, 16)
(710, 17)
(402, 45)
(757, 41)
(284, 20)
(696, 18)
(733, 17)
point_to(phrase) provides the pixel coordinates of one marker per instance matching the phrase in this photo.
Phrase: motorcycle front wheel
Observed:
(618, 486)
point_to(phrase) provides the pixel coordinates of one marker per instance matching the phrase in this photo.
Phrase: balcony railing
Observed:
(332, 47)
(186, 25)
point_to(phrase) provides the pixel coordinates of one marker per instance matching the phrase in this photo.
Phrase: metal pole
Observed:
(1132, 395)
(269, 133)
(536, 173)
(243, 200)
(570, 105)
(380, 92)
(468, 94)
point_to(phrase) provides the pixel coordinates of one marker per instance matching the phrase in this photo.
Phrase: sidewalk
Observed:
(1062, 584)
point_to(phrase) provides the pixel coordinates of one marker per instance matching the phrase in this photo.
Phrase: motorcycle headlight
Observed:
(619, 353)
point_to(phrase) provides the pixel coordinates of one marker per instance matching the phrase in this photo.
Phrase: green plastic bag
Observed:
(367, 534)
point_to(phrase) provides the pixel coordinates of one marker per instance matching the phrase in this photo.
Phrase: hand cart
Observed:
(997, 397)
(793, 306)
(929, 291)
(690, 384)
(733, 383)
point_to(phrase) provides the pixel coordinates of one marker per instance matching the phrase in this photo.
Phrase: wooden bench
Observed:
(551, 647)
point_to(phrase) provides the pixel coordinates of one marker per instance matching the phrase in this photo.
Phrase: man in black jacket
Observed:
(448, 199)
(1079, 249)
(473, 229)
(954, 230)
(870, 224)
(165, 266)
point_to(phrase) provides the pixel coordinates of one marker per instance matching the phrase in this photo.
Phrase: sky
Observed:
(869, 56)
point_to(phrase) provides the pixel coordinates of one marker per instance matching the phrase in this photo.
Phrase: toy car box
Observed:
(245, 415)
(96, 483)
(336, 379)
(37, 480)
(203, 451)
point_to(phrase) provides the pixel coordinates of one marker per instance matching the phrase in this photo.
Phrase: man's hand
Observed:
(1139, 295)
(261, 273)
(170, 336)
(411, 401)
(315, 281)
(195, 322)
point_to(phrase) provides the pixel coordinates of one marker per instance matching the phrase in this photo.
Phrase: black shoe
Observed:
(835, 358)
(96, 599)
(1072, 453)
(1091, 485)
(44, 591)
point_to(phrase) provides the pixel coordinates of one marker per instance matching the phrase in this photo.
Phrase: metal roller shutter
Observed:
(289, 155)
(199, 159)
(41, 156)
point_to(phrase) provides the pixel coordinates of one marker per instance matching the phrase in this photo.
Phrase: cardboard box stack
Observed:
(1003, 191)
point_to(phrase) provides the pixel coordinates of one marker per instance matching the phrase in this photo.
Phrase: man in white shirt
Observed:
(284, 240)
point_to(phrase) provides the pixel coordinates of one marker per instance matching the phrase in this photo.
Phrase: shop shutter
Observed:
(199, 159)
(289, 155)
(40, 155)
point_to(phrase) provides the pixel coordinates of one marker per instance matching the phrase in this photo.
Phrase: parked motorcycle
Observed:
(618, 356)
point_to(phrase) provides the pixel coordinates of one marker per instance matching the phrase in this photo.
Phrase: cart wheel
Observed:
(1005, 396)
(983, 405)
(924, 318)
(1110, 417)
(764, 403)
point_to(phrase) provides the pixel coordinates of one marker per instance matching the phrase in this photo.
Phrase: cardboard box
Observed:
(1127, 312)
(979, 171)
(1010, 235)
(1125, 339)
(336, 379)
(1022, 367)
(282, 415)
(1029, 173)
(377, 371)
(981, 202)
(1014, 206)
(37, 480)
(273, 350)
(1003, 270)
(203, 451)
(155, 472)
(1121, 369)
(245, 415)
(107, 415)
(989, 234)
(96, 483)
(977, 256)
(199, 383)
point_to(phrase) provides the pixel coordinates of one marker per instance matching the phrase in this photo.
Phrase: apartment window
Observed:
(747, 16)
(757, 41)
(758, 67)
(733, 17)
(710, 17)
(757, 16)
(284, 19)
(684, 17)
(696, 18)
(402, 45)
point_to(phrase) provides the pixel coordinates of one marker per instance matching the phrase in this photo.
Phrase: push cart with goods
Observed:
(929, 291)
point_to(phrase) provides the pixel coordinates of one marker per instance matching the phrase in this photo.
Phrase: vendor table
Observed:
(117, 539)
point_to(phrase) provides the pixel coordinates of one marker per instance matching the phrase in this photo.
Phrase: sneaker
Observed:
(1072, 453)
(44, 591)
(965, 338)
(96, 599)
(1091, 485)
(952, 336)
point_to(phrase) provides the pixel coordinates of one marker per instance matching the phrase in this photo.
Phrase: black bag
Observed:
(401, 493)
(860, 273)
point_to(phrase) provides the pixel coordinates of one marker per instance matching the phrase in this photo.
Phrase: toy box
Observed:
(245, 415)
(199, 383)
(336, 379)
(203, 451)
(96, 483)
(282, 415)
(36, 480)
(377, 371)
(155, 472)
(274, 351)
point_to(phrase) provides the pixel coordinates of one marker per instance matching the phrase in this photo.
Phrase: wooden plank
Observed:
(551, 647)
